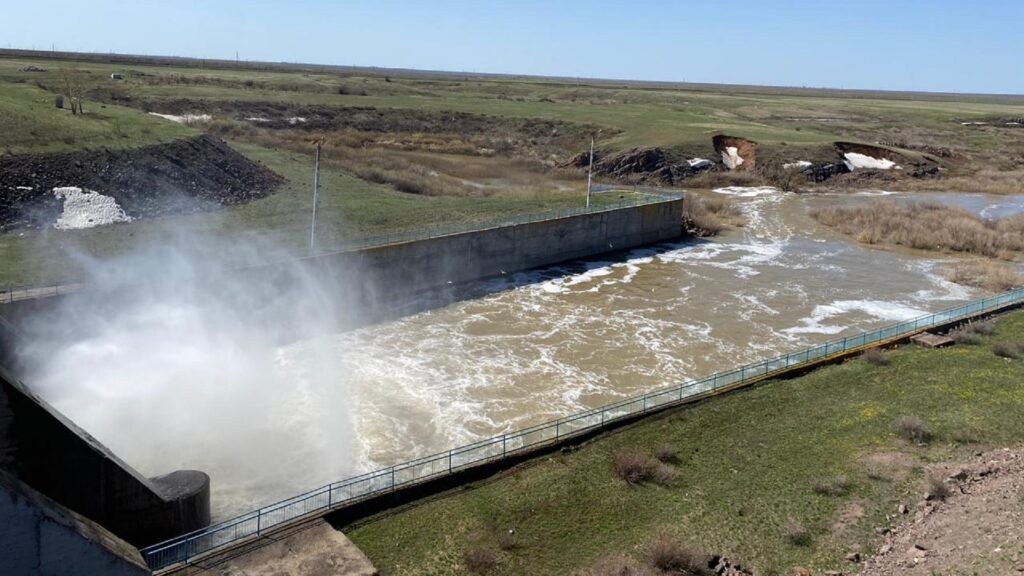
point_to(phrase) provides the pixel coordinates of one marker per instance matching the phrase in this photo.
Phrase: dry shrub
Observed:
(912, 429)
(664, 475)
(710, 216)
(1011, 350)
(616, 565)
(665, 452)
(938, 489)
(668, 554)
(507, 539)
(966, 338)
(876, 357)
(991, 276)
(837, 486)
(479, 560)
(795, 533)
(971, 334)
(925, 226)
(632, 466)
(986, 328)
(785, 179)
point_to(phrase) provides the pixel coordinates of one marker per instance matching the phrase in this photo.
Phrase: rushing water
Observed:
(165, 391)
(542, 344)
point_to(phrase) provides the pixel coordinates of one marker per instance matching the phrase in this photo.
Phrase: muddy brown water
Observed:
(524, 349)
(547, 343)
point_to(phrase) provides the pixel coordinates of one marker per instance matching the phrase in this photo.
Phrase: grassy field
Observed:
(29, 122)
(474, 182)
(644, 116)
(751, 468)
(349, 208)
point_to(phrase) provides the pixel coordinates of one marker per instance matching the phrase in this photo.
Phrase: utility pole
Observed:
(316, 198)
(590, 169)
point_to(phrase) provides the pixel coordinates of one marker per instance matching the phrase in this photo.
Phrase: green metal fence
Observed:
(351, 490)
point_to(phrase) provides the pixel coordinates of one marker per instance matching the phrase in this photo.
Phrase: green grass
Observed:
(29, 122)
(646, 116)
(749, 462)
(349, 208)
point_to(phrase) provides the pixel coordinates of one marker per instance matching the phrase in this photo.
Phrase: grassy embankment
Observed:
(349, 208)
(788, 125)
(819, 453)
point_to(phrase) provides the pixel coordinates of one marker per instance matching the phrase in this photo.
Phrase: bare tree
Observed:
(73, 86)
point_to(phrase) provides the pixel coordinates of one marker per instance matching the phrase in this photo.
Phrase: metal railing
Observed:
(351, 490)
(639, 197)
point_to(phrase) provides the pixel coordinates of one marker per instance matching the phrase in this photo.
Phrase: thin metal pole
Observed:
(316, 198)
(590, 170)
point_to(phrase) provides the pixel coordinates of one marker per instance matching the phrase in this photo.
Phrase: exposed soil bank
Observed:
(737, 153)
(184, 176)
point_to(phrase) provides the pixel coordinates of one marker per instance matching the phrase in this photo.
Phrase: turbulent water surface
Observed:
(543, 344)
(183, 383)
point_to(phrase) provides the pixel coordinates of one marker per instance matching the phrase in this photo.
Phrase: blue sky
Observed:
(937, 45)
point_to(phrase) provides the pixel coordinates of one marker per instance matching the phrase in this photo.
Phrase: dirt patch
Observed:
(847, 518)
(978, 529)
(889, 465)
(184, 176)
(738, 154)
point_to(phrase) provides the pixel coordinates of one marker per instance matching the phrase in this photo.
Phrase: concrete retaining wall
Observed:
(378, 275)
(39, 537)
(43, 449)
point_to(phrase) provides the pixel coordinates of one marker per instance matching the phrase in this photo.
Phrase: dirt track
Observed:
(979, 529)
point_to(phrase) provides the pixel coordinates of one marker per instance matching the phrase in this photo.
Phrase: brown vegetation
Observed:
(710, 216)
(665, 452)
(837, 486)
(927, 226)
(875, 357)
(795, 533)
(912, 429)
(1010, 350)
(991, 276)
(632, 465)
(668, 554)
(479, 560)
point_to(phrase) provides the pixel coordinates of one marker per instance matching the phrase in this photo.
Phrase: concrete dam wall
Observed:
(42, 448)
(379, 274)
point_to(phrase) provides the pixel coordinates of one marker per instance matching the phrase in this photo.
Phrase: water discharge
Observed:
(544, 344)
(173, 381)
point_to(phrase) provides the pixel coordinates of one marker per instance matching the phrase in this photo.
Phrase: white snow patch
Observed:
(87, 209)
(23, 188)
(296, 120)
(731, 157)
(184, 118)
(699, 162)
(801, 164)
(974, 123)
(258, 119)
(854, 161)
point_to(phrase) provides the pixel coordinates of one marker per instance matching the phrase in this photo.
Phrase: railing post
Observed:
(449, 461)
(504, 448)
(557, 426)
(330, 493)
(259, 516)
(393, 475)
